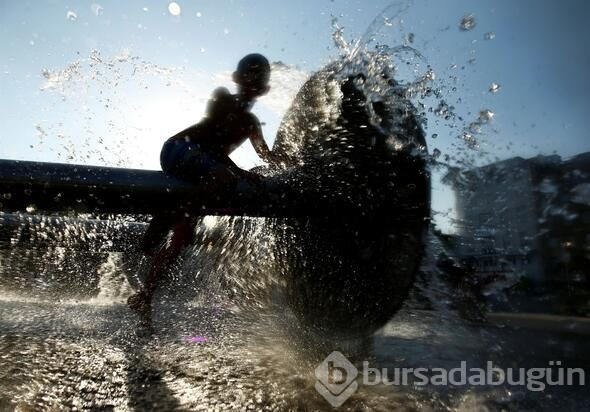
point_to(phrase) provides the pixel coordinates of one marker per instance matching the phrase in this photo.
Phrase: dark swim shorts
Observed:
(188, 161)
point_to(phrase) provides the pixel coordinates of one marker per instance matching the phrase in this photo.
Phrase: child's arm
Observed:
(261, 147)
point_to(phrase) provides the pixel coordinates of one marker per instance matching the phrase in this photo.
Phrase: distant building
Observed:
(526, 216)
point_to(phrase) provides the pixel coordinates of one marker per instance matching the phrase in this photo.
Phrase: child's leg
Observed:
(189, 162)
(182, 236)
(223, 171)
(160, 225)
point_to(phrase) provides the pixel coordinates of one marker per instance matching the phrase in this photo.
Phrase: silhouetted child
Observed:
(202, 152)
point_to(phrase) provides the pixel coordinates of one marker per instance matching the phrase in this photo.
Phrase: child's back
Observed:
(226, 125)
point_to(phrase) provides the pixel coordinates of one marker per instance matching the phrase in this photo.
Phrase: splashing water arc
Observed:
(363, 159)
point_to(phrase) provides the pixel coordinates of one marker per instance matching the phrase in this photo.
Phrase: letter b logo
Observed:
(336, 374)
(336, 377)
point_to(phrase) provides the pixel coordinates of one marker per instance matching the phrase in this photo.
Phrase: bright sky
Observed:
(106, 82)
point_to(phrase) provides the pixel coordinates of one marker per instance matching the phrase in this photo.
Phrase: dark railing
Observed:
(55, 187)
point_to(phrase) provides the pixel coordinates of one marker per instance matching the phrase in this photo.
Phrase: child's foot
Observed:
(141, 304)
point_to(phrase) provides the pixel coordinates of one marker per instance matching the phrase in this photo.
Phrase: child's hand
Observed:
(253, 178)
(275, 159)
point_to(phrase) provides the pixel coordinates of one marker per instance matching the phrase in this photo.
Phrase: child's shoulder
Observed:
(220, 92)
(221, 101)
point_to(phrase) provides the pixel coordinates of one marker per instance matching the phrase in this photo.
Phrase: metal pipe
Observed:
(57, 187)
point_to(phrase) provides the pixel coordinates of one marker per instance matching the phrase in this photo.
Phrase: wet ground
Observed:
(81, 356)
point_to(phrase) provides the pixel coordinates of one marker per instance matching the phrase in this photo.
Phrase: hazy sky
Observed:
(106, 82)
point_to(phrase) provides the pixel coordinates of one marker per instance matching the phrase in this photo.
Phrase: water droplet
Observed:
(489, 36)
(475, 127)
(174, 9)
(71, 16)
(467, 22)
(434, 136)
(97, 9)
(494, 87)
(469, 139)
(442, 109)
(199, 14)
(486, 116)
(436, 153)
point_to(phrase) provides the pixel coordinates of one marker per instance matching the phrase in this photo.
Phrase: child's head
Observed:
(252, 75)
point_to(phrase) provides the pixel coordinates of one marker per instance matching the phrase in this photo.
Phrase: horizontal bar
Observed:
(57, 187)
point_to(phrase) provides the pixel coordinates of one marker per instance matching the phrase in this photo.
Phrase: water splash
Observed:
(97, 9)
(195, 339)
(384, 48)
(113, 286)
(489, 36)
(174, 9)
(467, 23)
(71, 16)
(65, 258)
(96, 87)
